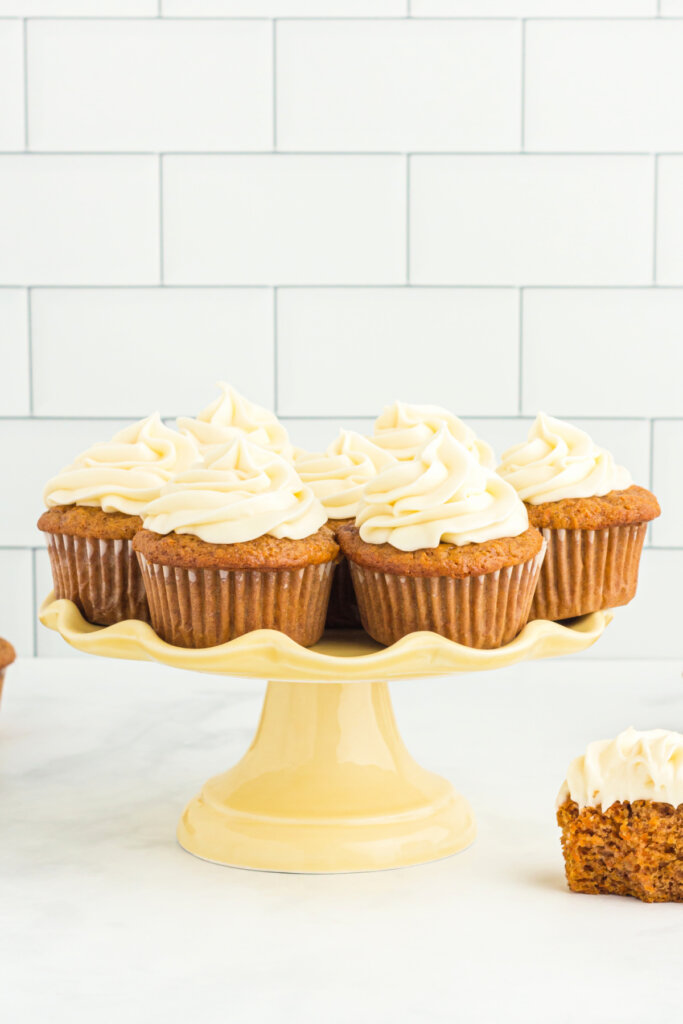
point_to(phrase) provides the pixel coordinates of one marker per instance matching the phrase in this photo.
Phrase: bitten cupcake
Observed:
(403, 431)
(234, 546)
(621, 814)
(592, 516)
(94, 510)
(231, 416)
(337, 478)
(443, 544)
(7, 656)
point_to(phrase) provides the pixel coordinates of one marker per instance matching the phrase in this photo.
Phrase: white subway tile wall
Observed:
(331, 204)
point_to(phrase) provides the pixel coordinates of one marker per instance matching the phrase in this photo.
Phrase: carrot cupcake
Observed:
(237, 545)
(337, 478)
(231, 416)
(591, 514)
(403, 431)
(621, 814)
(94, 510)
(443, 544)
(7, 656)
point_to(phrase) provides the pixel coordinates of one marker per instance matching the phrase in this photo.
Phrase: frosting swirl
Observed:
(241, 492)
(126, 473)
(634, 766)
(560, 461)
(403, 430)
(231, 416)
(338, 475)
(443, 494)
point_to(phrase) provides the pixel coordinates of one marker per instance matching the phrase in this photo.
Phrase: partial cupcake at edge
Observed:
(224, 527)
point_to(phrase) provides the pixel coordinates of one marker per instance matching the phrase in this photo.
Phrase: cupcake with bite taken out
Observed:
(403, 431)
(441, 543)
(592, 516)
(236, 545)
(95, 507)
(337, 478)
(232, 416)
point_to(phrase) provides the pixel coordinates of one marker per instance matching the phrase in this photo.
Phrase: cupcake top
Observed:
(634, 766)
(443, 495)
(126, 473)
(338, 475)
(560, 461)
(403, 430)
(231, 416)
(241, 492)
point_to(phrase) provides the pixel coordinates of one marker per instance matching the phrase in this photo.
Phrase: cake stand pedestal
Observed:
(327, 783)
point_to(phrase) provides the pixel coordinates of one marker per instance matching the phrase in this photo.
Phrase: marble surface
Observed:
(104, 918)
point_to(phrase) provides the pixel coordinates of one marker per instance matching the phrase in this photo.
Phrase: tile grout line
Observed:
(25, 54)
(110, 418)
(651, 479)
(274, 72)
(520, 354)
(654, 219)
(29, 346)
(161, 219)
(461, 154)
(34, 600)
(522, 86)
(276, 387)
(407, 218)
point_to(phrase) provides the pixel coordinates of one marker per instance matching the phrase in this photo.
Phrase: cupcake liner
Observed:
(343, 612)
(480, 611)
(101, 576)
(207, 607)
(586, 570)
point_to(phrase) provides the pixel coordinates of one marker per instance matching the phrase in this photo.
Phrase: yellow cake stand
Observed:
(327, 783)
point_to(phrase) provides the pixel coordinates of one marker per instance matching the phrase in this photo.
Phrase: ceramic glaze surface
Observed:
(327, 784)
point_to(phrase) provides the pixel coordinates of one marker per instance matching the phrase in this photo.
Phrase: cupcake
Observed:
(440, 543)
(236, 545)
(592, 516)
(621, 814)
(403, 430)
(7, 656)
(337, 478)
(94, 511)
(231, 416)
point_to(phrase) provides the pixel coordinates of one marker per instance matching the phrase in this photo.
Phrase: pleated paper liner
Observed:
(588, 570)
(101, 576)
(207, 607)
(480, 611)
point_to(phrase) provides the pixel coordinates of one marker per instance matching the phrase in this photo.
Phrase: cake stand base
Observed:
(326, 785)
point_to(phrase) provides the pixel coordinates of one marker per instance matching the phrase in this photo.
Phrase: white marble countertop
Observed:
(104, 918)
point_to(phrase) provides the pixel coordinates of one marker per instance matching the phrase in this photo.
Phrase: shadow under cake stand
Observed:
(327, 783)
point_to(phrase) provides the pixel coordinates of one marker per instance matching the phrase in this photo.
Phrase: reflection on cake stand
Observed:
(327, 783)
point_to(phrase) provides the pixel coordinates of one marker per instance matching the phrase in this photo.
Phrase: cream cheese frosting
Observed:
(338, 475)
(560, 461)
(634, 766)
(403, 430)
(443, 494)
(126, 473)
(231, 416)
(241, 492)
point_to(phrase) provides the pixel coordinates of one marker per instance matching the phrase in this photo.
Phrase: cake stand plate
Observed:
(327, 783)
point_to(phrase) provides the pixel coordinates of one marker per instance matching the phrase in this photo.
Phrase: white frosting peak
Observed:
(443, 494)
(126, 473)
(634, 766)
(242, 492)
(338, 475)
(231, 416)
(403, 430)
(560, 461)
